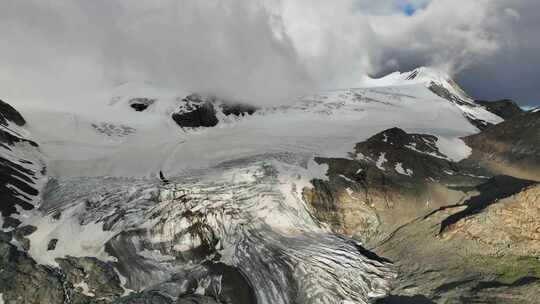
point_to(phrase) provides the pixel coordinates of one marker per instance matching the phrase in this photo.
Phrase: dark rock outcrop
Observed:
(13, 174)
(77, 281)
(397, 152)
(504, 108)
(8, 113)
(17, 175)
(405, 300)
(443, 92)
(446, 94)
(22, 280)
(52, 244)
(511, 147)
(196, 112)
(20, 235)
(97, 276)
(146, 297)
(237, 109)
(141, 104)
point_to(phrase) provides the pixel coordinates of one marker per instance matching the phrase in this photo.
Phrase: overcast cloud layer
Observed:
(264, 51)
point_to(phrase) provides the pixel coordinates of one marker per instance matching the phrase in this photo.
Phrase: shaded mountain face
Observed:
(196, 112)
(414, 155)
(19, 167)
(511, 146)
(504, 108)
(9, 114)
(445, 93)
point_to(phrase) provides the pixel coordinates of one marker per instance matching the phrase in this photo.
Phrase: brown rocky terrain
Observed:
(509, 227)
(456, 235)
(392, 178)
(511, 147)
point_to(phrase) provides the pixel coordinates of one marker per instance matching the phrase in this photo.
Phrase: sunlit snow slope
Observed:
(111, 139)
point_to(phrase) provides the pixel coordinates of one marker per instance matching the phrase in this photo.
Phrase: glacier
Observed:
(230, 222)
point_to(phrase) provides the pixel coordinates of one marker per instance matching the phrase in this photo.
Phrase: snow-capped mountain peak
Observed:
(441, 84)
(426, 76)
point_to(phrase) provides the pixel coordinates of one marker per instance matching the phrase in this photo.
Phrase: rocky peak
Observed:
(397, 138)
(203, 111)
(142, 103)
(511, 145)
(398, 152)
(8, 113)
(504, 108)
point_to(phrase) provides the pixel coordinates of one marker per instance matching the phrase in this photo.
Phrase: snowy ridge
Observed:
(442, 85)
(118, 141)
(424, 76)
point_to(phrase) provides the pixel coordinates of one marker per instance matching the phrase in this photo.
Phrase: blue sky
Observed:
(408, 9)
(388, 7)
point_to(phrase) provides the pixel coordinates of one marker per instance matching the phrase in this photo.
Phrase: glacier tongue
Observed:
(243, 220)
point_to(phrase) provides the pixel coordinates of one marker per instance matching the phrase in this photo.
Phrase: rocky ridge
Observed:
(399, 189)
(504, 108)
(511, 147)
(199, 111)
(21, 167)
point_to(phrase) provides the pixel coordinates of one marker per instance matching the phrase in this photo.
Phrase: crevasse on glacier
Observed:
(239, 232)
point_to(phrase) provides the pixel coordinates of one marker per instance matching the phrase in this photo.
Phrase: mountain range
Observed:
(403, 190)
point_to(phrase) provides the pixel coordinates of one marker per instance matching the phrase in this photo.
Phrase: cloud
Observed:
(332, 38)
(236, 49)
(439, 35)
(491, 47)
(263, 51)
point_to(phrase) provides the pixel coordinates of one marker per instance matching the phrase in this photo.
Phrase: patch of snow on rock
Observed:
(90, 240)
(346, 178)
(382, 159)
(454, 148)
(399, 169)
